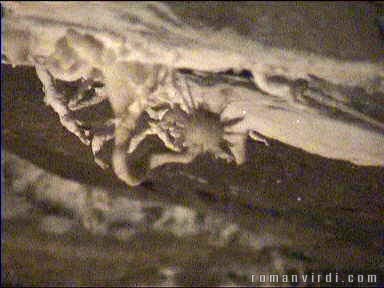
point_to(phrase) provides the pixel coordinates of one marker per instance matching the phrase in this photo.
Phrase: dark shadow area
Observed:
(335, 208)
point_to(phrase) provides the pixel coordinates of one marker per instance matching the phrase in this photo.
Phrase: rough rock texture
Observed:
(311, 213)
(135, 51)
(283, 211)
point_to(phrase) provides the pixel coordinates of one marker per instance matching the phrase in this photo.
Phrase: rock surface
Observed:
(68, 222)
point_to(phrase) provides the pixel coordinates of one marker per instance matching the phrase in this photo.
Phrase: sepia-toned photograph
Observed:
(192, 143)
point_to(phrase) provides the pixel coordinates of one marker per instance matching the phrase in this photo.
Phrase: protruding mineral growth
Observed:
(138, 63)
